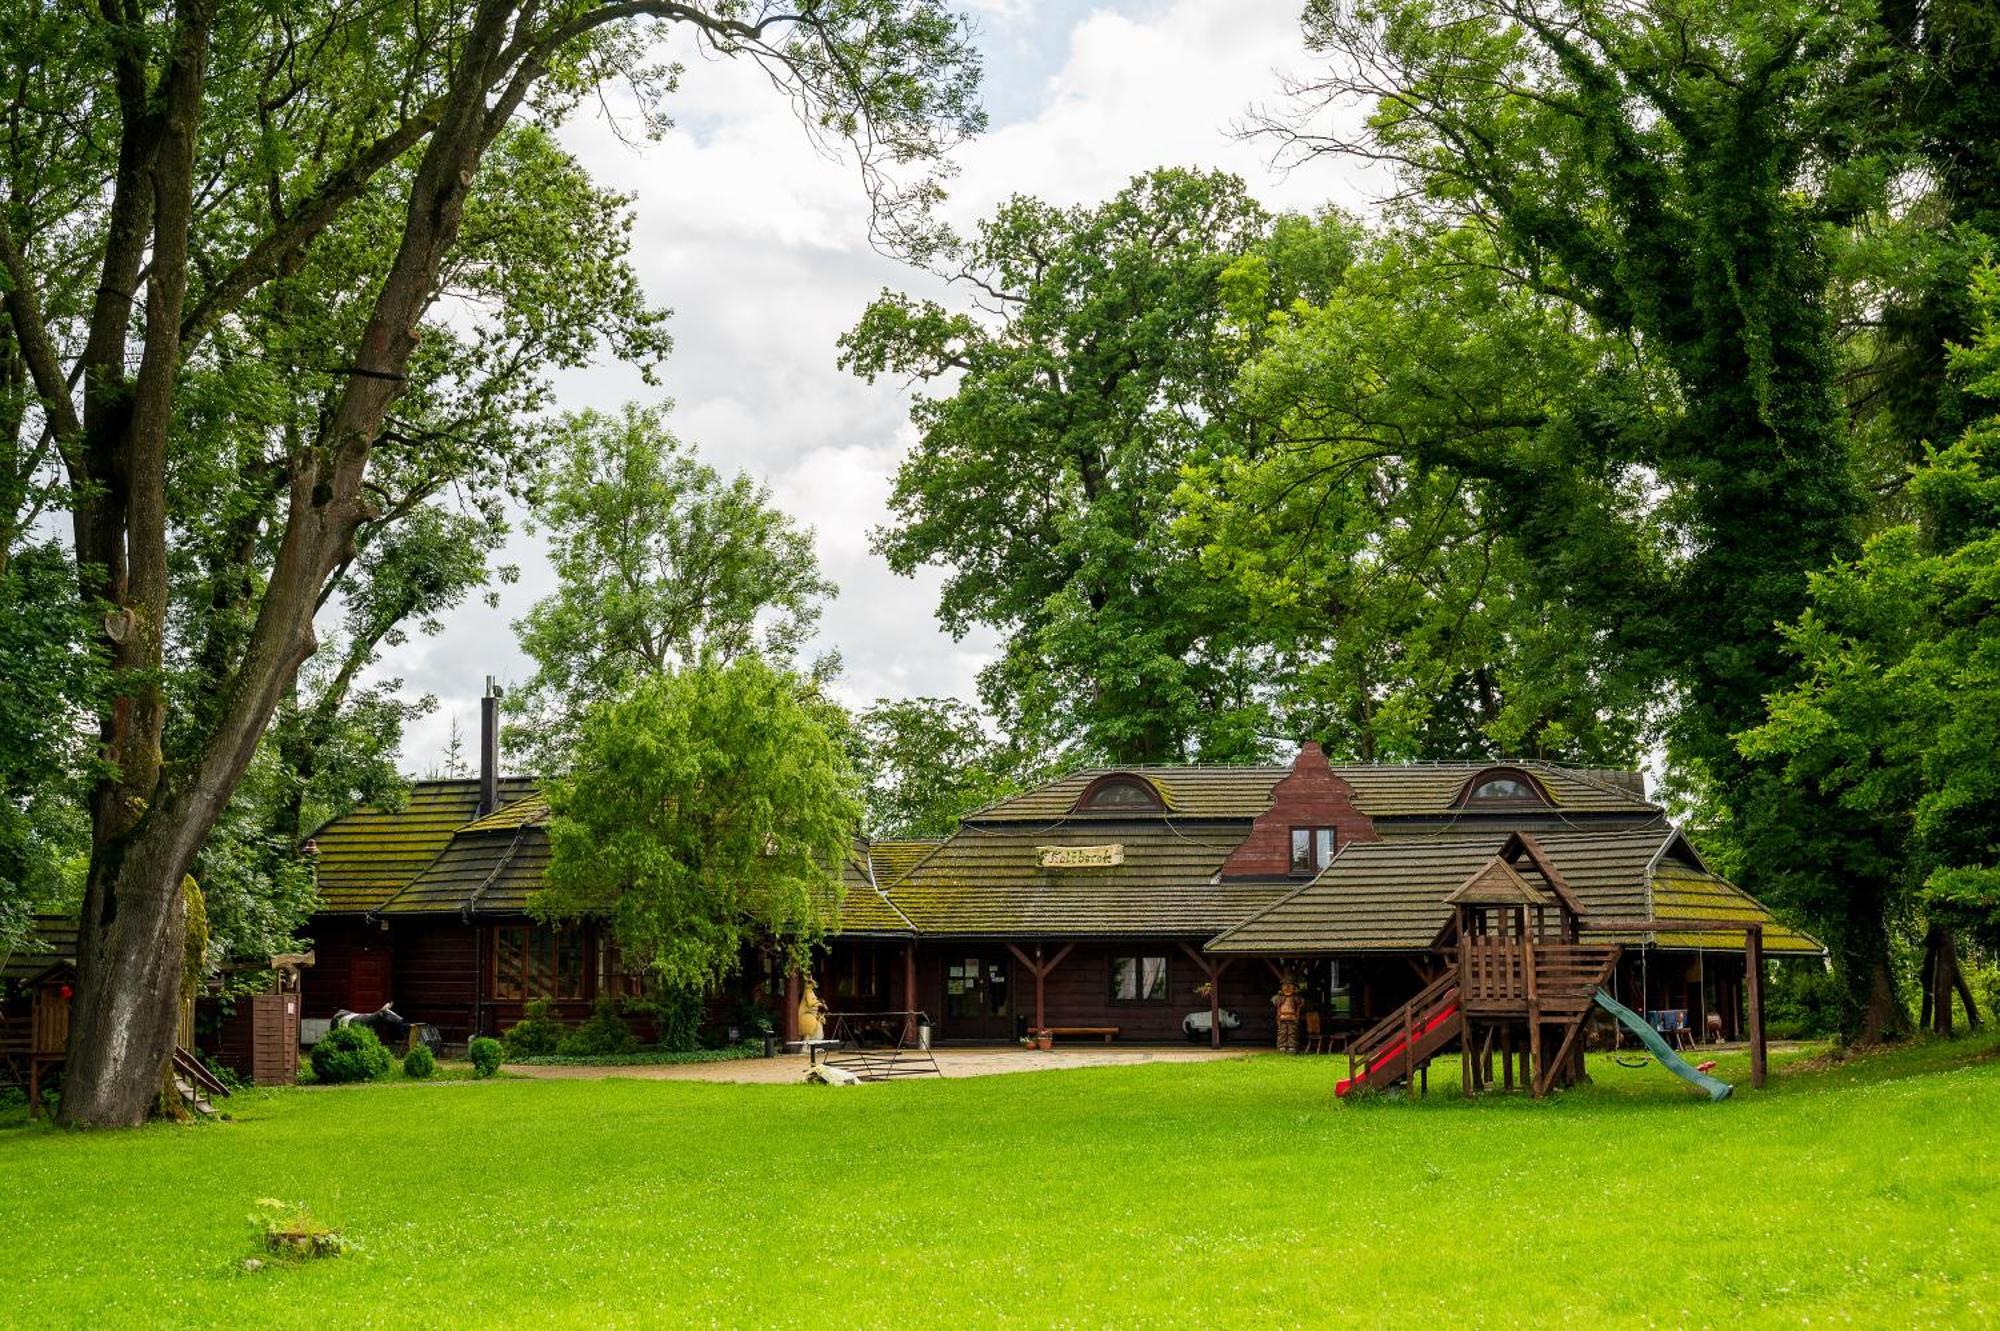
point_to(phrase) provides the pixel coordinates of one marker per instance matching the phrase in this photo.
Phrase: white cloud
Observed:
(759, 243)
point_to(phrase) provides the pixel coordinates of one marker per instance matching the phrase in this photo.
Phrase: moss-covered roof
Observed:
(490, 872)
(893, 859)
(993, 882)
(864, 908)
(367, 856)
(1390, 895)
(1408, 790)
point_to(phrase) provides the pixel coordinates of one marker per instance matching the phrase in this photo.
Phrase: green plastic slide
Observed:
(1673, 1062)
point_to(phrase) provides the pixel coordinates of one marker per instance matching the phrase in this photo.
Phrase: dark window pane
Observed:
(569, 963)
(1505, 788)
(1123, 795)
(508, 977)
(1153, 978)
(1124, 977)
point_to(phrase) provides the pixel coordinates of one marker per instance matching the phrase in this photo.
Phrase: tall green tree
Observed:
(1677, 177)
(927, 762)
(48, 680)
(660, 563)
(707, 810)
(1408, 399)
(1893, 718)
(178, 167)
(1090, 367)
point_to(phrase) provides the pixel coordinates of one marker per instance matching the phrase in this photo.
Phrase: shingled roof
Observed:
(1402, 790)
(993, 882)
(893, 859)
(367, 856)
(53, 944)
(864, 907)
(1390, 895)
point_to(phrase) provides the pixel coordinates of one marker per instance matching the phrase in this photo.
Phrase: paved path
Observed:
(951, 1062)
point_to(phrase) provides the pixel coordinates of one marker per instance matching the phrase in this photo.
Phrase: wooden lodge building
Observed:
(1103, 905)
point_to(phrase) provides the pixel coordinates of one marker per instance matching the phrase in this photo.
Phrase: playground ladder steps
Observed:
(1401, 1044)
(195, 1083)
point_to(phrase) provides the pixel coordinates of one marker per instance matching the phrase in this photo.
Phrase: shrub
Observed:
(605, 1033)
(1803, 1002)
(679, 1012)
(485, 1053)
(539, 1032)
(349, 1053)
(420, 1062)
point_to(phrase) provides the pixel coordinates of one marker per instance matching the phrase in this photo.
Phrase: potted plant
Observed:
(1045, 1039)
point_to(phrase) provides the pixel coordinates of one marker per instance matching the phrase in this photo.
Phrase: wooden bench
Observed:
(1109, 1033)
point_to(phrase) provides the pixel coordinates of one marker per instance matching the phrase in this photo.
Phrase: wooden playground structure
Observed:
(1520, 982)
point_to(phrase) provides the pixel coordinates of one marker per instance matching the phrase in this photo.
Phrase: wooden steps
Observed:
(198, 1087)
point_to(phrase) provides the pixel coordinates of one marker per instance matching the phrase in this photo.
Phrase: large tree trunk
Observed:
(148, 821)
(1877, 1000)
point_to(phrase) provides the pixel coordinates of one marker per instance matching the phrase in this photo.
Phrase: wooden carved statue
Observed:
(1290, 1006)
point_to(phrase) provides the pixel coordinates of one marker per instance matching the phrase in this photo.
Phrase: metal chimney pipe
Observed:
(489, 748)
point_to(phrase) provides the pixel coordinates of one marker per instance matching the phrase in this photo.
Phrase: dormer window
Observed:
(1120, 792)
(1503, 786)
(1312, 850)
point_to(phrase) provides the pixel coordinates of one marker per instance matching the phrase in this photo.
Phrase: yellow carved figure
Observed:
(812, 1013)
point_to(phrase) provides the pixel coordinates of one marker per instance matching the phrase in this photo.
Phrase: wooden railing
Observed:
(1413, 1016)
(1572, 970)
(1492, 971)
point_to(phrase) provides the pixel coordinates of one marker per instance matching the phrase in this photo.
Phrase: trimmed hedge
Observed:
(485, 1053)
(349, 1053)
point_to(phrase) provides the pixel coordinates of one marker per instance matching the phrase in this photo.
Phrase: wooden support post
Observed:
(910, 1003)
(1753, 987)
(1040, 970)
(1532, 1073)
(1409, 1046)
(1213, 971)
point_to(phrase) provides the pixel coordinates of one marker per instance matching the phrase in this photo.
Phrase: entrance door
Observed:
(368, 981)
(978, 997)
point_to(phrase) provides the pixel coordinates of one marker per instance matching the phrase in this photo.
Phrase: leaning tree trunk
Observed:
(131, 957)
(149, 820)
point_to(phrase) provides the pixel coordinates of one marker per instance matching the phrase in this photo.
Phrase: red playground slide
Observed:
(1393, 1053)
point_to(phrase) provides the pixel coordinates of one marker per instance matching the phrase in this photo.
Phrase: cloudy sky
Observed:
(759, 245)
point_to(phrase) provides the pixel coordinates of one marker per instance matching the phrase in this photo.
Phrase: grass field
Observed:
(1230, 1194)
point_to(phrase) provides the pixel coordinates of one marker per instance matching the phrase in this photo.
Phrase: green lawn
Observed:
(1233, 1194)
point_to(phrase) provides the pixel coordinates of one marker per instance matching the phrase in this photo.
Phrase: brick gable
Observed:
(1312, 794)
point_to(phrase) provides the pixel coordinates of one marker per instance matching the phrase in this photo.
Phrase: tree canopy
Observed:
(926, 762)
(234, 243)
(660, 564)
(706, 810)
(1091, 366)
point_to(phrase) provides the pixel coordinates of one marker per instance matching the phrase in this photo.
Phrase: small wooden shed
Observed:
(259, 1039)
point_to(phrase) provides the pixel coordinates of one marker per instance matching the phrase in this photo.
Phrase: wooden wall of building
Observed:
(347, 949)
(1078, 991)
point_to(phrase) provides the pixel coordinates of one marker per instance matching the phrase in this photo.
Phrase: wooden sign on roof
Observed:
(1079, 857)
